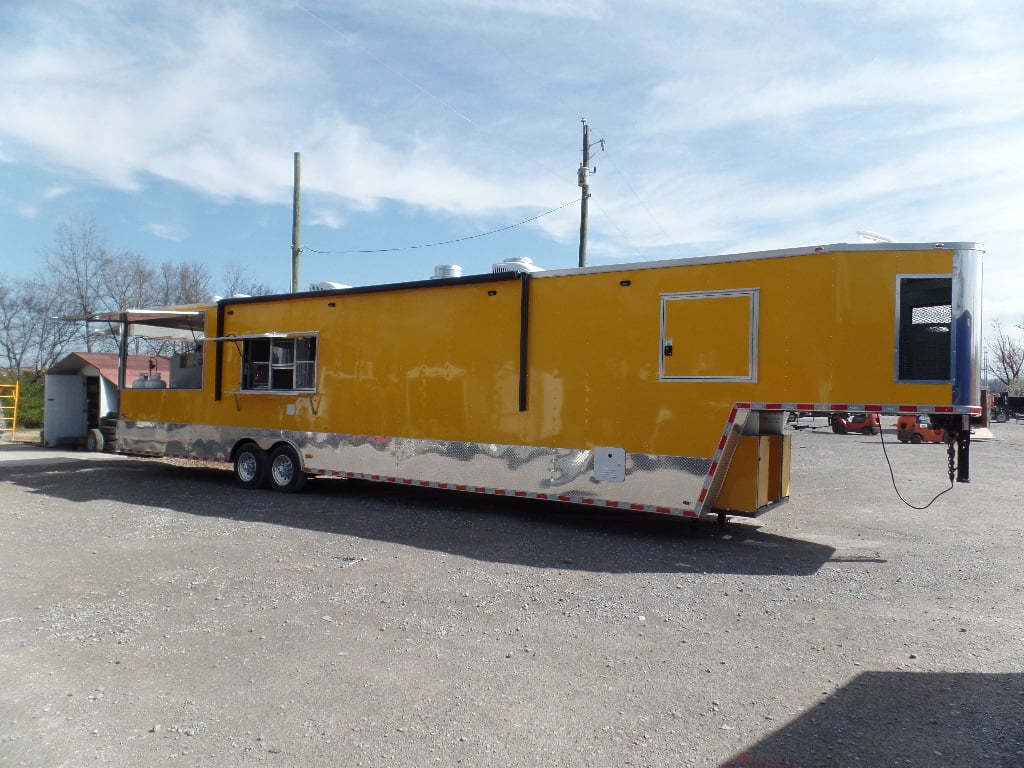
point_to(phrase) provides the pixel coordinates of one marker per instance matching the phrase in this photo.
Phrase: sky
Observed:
(436, 132)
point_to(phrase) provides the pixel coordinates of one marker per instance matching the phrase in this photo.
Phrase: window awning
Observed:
(180, 319)
(268, 335)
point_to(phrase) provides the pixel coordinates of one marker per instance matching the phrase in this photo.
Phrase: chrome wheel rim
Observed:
(283, 470)
(247, 466)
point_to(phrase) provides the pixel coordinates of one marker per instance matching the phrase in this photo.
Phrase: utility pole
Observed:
(295, 223)
(583, 176)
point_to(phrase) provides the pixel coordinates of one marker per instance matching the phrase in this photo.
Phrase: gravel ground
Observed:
(153, 614)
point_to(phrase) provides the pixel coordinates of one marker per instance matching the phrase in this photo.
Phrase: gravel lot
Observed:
(153, 614)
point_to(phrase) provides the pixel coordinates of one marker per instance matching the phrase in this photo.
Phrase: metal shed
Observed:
(82, 398)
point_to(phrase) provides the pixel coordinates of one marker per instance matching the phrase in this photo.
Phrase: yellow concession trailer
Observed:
(658, 387)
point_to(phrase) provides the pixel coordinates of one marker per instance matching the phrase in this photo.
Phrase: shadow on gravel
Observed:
(919, 720)
(498, 529)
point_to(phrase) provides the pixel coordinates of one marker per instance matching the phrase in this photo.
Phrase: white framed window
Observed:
(276, 364)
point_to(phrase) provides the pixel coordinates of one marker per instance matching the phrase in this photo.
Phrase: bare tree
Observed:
(31, 336)
(79, 264)
(129, 282)
(1006, 350)
(53, 336)
(237, 282)
(184, 283)
(13, 341)
(80, 277)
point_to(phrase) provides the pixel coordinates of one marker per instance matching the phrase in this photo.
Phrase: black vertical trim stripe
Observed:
(524, 338)
(218, 372)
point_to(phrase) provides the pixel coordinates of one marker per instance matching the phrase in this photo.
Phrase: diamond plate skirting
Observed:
(650, 482)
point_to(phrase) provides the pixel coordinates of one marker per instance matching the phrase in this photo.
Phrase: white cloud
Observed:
(324, 217)
(55, 191)
(732, 127)
(167, 232)
(958, 92)
(591, 9)
(26, 210)
(215, 109)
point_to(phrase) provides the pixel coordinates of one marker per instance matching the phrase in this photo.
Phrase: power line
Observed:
(639, 199)
(446, 242)
(328, 24)
(462, 116)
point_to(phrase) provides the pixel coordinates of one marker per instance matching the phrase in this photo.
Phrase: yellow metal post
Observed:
(9, 407)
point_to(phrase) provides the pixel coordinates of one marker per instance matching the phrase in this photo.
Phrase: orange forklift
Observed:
(915, 428)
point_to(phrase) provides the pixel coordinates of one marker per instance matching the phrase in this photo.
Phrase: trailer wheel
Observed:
(94, 440)
(286, 473)
(252, 467)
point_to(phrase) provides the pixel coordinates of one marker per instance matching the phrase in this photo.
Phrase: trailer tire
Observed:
(251, 467)
(286, 473)
(94, 440)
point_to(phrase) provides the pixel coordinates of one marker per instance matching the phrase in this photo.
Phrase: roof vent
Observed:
(327, 285)
(517, 264)
(442, 271)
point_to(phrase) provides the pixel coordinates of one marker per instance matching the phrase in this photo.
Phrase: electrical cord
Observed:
(951, 469)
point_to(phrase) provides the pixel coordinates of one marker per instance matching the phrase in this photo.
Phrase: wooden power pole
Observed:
(584, 182)
(295, 223)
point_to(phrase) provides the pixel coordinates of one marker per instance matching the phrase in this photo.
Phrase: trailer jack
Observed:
(963, 452)
(958, 446)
